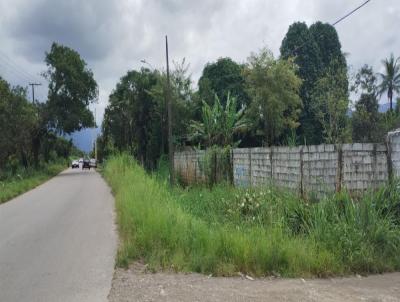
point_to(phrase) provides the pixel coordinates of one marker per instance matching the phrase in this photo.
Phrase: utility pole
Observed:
(170, 143)
(95, 136)
(33, 90)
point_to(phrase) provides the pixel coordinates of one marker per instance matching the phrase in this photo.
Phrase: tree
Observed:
(17, 118)
(330, 103)
(390, 78)
(135, 119)
(327, 40)
(71, 89)
(365, 81)
(366, 118)
(313, 50)
(222, 77)
(300, 44)
(182, 103)
(219, 124)
(274, 90)
(20, 121)
(131, 120)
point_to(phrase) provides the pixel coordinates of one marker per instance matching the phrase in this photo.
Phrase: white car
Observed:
(75, 164)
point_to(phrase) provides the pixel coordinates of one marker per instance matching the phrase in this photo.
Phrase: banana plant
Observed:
(219, 124)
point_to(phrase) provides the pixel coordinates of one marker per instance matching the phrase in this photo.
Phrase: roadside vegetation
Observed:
(259, 231)
(32, 134)
(300, 97)
(26, 179)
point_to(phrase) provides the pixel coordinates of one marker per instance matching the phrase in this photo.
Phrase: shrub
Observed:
(260, 231)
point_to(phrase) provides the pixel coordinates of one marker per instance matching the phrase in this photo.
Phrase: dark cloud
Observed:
(87, 26)
(113, 36)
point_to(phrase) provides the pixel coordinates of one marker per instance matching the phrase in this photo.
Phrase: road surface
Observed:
(135, 284)
(58, 241)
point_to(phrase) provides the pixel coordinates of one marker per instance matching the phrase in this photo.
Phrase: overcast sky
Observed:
(114, 36)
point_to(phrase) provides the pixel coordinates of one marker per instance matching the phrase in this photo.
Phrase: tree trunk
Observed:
(35, 150)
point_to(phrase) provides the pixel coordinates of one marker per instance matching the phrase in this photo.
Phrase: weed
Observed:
(259, 231)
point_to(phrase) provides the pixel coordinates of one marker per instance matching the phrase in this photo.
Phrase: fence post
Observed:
(250, 173)
(271, 162)
(231, 172)
(339, 173)
(389, 158)
(301, 172)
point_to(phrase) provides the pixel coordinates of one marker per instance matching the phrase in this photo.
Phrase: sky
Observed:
(113, 36)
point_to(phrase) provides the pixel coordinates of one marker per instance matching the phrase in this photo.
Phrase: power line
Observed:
(9, 68)
(320, 35)
(10, 62)
(333, 24)
(13, 74)
(350, 13)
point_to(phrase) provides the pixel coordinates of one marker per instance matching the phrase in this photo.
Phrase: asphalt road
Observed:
(58, 241)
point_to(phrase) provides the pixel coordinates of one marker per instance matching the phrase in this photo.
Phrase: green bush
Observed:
(22, 180)
(259, 231)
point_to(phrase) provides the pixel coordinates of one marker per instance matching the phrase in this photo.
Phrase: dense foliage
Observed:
(314, 49)
(274, 90)
(135, 119)
(302, 97)
(221, 78)
(29, 137)
(71, 89)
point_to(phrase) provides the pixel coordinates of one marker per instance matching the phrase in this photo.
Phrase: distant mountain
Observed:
(84, 139)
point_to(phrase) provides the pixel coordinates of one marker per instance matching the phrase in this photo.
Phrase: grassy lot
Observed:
(255, 231)
(25, 180)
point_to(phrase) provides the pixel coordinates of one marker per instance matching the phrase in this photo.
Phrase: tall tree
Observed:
(301, 45)
(182, 103)
(71, 89)
(313, 50)
(274, 89)
(222, 77)
(330, 103)
(131, 119)
(390, 79)
(327, 40)
(17, 118)
(365, 119)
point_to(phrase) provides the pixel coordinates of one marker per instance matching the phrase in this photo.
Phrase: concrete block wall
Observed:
(394, 146)
(242, 166)
(320, 169)
(307, 169)
(286, 167)
(188, 166)
(364, 166)
(261, 165)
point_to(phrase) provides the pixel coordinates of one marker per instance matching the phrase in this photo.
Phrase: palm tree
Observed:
(390, 78)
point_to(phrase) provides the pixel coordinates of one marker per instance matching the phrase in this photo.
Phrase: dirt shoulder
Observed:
(135, 284)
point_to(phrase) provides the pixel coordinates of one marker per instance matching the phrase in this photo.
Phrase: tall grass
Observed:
(26, 179)
(259, 231)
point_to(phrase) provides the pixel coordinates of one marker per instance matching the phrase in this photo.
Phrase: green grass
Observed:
(26, 180)
(260, 231)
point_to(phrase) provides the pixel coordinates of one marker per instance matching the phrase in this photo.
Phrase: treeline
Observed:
(31, 133)
(302, 97)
